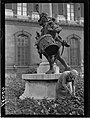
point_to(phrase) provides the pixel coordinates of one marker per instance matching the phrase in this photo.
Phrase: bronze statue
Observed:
(49, 42)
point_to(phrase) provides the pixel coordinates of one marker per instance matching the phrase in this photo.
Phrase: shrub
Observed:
(30, 106)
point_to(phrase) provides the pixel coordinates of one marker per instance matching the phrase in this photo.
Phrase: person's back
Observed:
(65, 86)
(61, 91)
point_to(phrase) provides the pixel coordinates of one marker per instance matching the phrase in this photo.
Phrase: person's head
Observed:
(72, 75)
(43, 19)
(74, 72)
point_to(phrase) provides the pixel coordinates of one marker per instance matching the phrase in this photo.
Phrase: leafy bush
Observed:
(30, 106)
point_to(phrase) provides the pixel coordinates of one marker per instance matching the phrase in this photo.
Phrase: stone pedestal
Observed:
(40, 86)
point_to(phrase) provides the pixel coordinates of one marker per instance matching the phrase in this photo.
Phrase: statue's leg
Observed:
(51, 63)
(51, 70)
(67, 67)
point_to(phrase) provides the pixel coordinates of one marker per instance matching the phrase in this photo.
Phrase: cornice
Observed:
(32, 23)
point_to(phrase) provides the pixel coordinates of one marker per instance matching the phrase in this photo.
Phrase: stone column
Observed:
(50, 8)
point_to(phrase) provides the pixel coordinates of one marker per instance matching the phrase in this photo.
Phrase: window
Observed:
(22, 50)
(22, 9)
(19, 8)
(70, 12)
(74, 56)
(35, 15)
(74, 52)
(82, 9)
(8, 6)
(60, 8)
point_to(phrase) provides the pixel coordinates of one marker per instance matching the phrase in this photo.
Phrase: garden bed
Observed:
(14, 106)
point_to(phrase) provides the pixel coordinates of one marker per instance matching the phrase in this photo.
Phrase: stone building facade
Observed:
(20, 31)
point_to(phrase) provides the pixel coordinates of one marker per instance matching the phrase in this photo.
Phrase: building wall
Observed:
(57, 8)
(13, 26)
(66, 32)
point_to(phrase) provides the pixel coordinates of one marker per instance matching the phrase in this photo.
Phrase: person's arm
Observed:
(73, 87)
(49, 28)
(64, 84)
(70, 87)
(57, 29)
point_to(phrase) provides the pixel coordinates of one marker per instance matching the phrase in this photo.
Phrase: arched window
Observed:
(22, 48)
(74, 50)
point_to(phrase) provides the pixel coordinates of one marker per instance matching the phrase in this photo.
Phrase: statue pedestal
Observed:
(40, 86)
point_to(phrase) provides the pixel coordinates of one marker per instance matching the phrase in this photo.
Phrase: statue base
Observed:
(40, 86)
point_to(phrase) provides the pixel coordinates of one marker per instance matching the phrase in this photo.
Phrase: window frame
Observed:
(22, 50)
(77, 38)
(16, 48)
(21, 6)
(70, 12)
(8, 7)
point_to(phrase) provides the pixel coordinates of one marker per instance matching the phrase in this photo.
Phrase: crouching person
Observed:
(65, 86)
